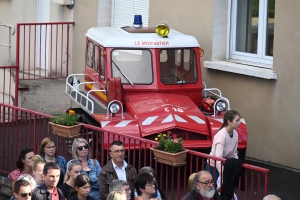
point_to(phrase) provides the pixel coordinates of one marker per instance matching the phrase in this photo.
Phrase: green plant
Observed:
(65, 118)
(169, 142)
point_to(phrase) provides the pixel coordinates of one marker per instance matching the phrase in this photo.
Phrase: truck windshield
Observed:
(178, 66)
(136, 65)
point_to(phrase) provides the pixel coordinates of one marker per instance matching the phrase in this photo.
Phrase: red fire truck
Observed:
(142, 81)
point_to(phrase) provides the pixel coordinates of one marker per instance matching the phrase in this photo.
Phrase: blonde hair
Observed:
(190, 181)
(117, 195)
(36, 160)
(70, 167)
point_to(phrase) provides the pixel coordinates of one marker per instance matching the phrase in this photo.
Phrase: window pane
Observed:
(102, 64)
(178, 66)
(89, 54)
(96, 59)
(270, 28)
(136, 65)
(247, 26)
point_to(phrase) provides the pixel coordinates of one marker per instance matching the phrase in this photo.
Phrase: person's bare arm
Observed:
(12, 184)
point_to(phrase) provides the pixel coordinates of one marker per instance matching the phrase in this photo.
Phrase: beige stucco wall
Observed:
(88, 14)
(13, 12)
(270, 107)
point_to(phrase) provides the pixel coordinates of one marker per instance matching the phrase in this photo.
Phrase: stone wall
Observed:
(44, 96)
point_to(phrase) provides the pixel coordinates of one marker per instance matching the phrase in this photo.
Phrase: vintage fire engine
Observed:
(142, 81)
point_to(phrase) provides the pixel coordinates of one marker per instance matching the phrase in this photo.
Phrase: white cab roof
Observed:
(117, 37)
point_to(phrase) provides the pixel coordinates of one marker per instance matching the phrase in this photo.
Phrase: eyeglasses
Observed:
(25, 194)
(150, 184)
(207, 182)
(119, 151)
(52, 147)
(127, 190)
(81, 147)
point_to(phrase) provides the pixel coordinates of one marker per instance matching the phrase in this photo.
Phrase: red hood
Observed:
(158, 112)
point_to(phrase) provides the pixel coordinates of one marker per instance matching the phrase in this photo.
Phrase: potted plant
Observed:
(169, 149)
(66, 124)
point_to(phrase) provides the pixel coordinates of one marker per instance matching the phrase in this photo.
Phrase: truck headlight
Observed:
(114, 108)
(220, 106)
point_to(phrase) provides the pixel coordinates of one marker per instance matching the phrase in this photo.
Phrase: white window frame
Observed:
(123, 12)
(260, 56)
(220, 59)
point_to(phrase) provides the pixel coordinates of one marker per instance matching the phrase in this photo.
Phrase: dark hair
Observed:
(229, 115)
(20, 183)
(44, 143)
(80, 181)
(117, 142)
(140, 182)
(50, 165)
(22, 156)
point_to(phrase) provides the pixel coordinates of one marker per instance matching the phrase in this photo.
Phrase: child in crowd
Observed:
(37, 169)
(82, 188)
(74, 169)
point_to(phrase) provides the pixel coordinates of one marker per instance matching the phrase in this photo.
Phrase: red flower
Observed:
(174, 136)
(169, 132)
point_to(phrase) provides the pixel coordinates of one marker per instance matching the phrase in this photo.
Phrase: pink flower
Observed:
(169, 132)
(176, 140)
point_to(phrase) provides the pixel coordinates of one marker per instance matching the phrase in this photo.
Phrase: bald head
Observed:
(271, 197)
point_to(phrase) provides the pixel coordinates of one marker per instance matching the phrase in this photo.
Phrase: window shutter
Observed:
(123, 12)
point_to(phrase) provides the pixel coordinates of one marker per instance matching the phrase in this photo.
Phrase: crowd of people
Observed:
(48, 175)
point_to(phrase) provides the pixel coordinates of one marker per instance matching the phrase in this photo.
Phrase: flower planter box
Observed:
(66, 131)
(173, 159)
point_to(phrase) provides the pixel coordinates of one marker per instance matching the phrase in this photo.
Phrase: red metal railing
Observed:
(9, 85)
(21, 128)
(42, 50)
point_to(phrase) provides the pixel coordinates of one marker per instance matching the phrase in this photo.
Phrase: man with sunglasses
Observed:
(116, 168)
(203, 188)
(48, 189)
(22, 190)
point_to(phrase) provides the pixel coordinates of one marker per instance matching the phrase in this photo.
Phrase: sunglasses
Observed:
(81, 147)
(75, 162)
(25, 194)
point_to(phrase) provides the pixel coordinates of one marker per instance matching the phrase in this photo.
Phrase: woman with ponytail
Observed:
(225, 141)
(74, 170)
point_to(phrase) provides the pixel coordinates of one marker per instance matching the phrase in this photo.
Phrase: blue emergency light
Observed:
(138, 22)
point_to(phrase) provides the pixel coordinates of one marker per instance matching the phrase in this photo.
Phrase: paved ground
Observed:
(285, 183)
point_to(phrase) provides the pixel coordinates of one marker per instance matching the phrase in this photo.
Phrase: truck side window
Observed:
(96, 59)
(102, 65)
(89, 54)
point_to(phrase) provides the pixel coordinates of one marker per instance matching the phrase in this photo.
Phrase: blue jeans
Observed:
(212, 170)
